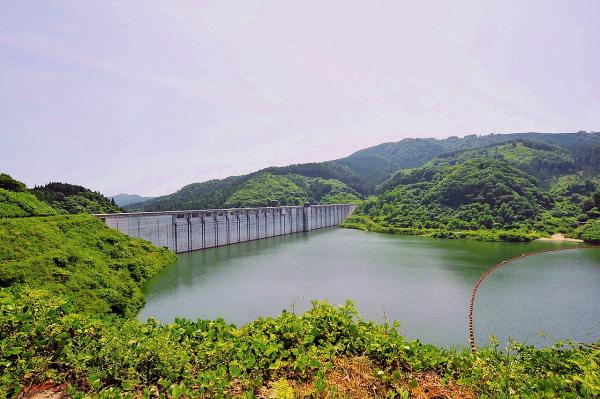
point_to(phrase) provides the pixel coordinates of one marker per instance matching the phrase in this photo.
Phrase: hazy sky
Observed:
(145, 97)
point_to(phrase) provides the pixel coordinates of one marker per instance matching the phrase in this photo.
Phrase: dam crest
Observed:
(191, 230)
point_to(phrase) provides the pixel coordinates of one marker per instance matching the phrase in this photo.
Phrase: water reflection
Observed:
(424, 283)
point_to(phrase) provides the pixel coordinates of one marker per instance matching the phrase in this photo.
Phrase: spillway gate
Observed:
(190, 230)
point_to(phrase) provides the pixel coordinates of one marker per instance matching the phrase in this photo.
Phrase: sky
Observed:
(145, 97)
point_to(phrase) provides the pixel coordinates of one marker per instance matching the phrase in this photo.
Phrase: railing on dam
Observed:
(190, 230)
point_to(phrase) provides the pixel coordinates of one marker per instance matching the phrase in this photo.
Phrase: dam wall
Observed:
(190, 230)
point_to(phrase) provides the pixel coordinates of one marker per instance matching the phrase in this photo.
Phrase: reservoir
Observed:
(423, 283)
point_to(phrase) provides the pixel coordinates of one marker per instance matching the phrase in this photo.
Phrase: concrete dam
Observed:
(190, 230)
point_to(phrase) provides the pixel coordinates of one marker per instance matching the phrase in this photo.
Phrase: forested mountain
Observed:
(69, 198)
(486, 194)
(256, 189)
(366, 169)
(588, 160)
(290, 190)
(544, 161)
(126, 199)
(379, 162)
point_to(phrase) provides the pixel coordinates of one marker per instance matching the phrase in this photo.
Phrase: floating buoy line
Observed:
(499, 265)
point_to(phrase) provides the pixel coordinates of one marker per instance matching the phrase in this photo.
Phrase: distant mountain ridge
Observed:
(127, 199)
(364, 170)
(388, 158)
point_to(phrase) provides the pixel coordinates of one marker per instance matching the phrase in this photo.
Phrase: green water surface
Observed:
(422, 282)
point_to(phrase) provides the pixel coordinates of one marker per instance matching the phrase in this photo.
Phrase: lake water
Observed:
(423, 283)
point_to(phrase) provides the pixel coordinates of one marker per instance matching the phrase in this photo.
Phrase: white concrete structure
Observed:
(183, 231)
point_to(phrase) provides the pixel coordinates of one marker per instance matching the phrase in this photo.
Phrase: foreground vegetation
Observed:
(43, 339)
(70, 289)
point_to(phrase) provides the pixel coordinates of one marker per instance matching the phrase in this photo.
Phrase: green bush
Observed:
(42, 340)
(591, 232)
(22, 204)
(79, 258)
(10, 184)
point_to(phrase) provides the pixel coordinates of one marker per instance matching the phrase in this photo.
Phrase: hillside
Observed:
(387, 158)
(22, 204)
(256, 189)
(70, 198)
(290, 190)
(366, 169)
(544, 161)
(486, 198)
(17, 201)
(127, 199)
(77, 257)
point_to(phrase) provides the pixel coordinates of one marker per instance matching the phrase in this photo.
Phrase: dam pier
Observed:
(190, 230)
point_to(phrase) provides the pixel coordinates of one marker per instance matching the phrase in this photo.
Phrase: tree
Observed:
(10, 184)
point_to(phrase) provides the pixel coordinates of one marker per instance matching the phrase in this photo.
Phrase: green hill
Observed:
(17, 201)
(22, 204)
(290, 190)
(70, 198)
(77, 257)
(544, 161)
(256, 189)
(379, 162)
(127, 199)
(366, 169)
(481, 198)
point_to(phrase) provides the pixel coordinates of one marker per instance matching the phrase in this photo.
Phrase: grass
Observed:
(78, 258)
(22, 204)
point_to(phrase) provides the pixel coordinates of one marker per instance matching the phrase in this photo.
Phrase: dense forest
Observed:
(70, 198)
(544, 161)
(257, 189)
(514, 191)
(365, 170)
(18, 200)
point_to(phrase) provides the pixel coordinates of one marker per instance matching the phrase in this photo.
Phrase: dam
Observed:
(190, 230)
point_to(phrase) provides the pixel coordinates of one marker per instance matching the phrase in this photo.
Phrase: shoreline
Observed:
(559, 238)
